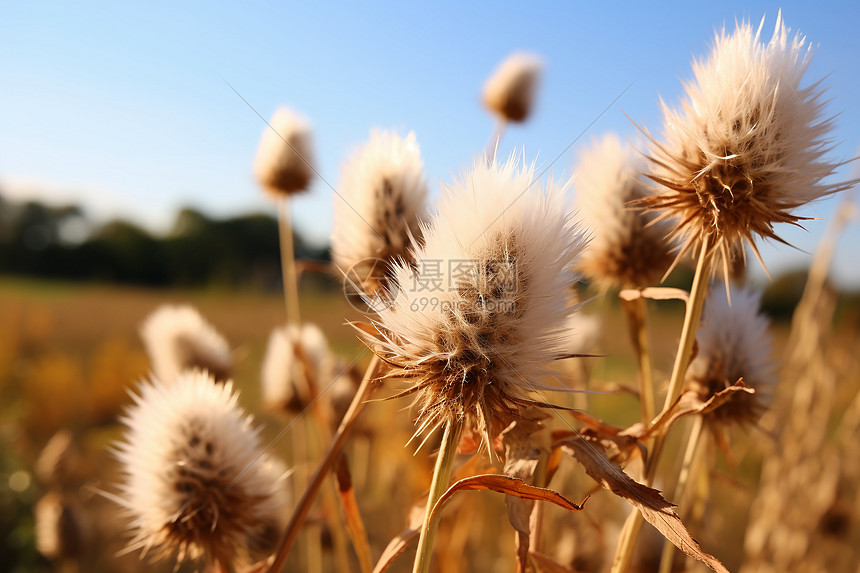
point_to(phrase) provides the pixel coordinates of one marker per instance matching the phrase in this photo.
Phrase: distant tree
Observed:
(198, 250)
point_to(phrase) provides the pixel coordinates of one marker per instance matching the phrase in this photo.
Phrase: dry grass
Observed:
(68, 354)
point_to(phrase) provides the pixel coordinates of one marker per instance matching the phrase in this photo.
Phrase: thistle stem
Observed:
(495, 139)
(441, 475)
(325, 465)
(637, 323)
(627, 541)
(693, 442)
(691, 323)
(288, 262)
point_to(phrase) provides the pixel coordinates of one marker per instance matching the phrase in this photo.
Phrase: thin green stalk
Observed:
(627, 541)
(693, 442)
(288, 262)
(441, 476)
(334, 449)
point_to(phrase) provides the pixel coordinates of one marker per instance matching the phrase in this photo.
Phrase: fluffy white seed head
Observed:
(510, 91)
(624, 251)
(178, 338)
(733, 343)
(297, 364)
(746, 146)
(476, 319)
(382, 200)
(285, 157)
(195, 482)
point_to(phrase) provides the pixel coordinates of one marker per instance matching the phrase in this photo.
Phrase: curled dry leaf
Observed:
(656, 510)
(691, 403)
(619, 446)
(509, 486)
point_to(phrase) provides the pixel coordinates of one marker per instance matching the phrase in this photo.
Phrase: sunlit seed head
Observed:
(196, 484)
(298, 364)
(380, 204)
(482, 310)
(627, 249)
(747, 145)
(285, 158)
(510, 91)
(178, 339)
(733, 343)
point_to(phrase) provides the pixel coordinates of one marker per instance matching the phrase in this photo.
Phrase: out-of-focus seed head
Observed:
(178, 339)
(510, 92)
(285, 158)
(61, 528)
(734, 343)
(298, 364)
(627, 249)
(377, 214)
(196, 484)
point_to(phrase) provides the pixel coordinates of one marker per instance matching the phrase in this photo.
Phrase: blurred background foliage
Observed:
(51, 242)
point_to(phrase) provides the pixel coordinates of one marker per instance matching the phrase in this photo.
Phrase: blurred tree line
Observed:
(59, 242)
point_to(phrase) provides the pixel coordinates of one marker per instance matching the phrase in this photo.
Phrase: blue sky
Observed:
(124, 108)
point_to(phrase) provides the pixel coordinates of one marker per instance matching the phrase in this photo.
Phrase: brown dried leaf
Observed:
(691, 403)
(521, 461)
(509, 486)
(619, 446)
(656, 510)
(522, 457)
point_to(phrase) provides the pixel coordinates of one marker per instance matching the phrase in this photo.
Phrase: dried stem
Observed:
(693, 442)
(627, 541)
(636, 311)
(325, 465)
(441, 476)
(288, 262)
(495, 139)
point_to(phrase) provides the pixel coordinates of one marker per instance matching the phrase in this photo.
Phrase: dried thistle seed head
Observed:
(510, 91)
(298, 363)
(284, 162)
(734, 343)
(178, 339)
(747, 145)
(196, 483)
(382, 201)
(627, 249)
(482, 310)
